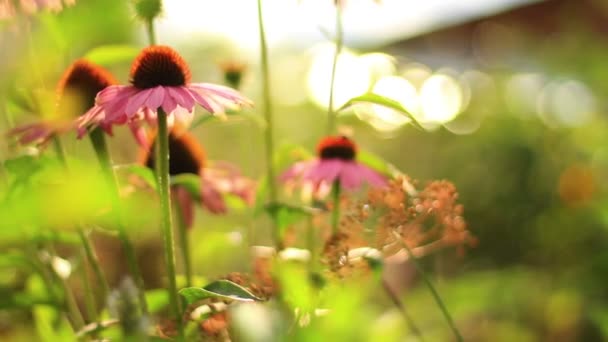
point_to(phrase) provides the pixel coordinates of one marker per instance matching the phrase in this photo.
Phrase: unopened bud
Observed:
(148, 9)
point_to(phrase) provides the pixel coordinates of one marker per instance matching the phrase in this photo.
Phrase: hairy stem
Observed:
(268, 132)
(101, 150)
(162, 179)
(184, 243)
(339, 40)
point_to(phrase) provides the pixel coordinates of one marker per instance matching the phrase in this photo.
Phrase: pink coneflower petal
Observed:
(157, 96)
(211, 197)
(325, 170)
(182, 97)
(136, 102)
(185, 204)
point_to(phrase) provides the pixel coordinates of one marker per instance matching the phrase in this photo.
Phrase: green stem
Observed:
(434, 292)
(70, 301)
(331, 114)
(84, 239)
(151, 32)
(93, 260)
(89, 300)
(162, 177)
(101, 150)
(268, 133)
(59, 151)
(335, 214)
(184, 243)
(399, 304)
(310, 243)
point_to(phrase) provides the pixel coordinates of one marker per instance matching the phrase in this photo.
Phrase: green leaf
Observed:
(222, 289)
(112, 54)
(190, 182)
(373, 161)
(145, 173)
(157, 300)
(383, 101)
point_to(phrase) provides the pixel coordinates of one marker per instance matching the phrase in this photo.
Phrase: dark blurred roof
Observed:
(510, 30)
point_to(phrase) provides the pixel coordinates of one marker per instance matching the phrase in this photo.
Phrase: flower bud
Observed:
(148, 9)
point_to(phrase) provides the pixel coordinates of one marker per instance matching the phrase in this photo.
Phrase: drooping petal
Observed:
(157, 96)
(182, 97)
(211, 197)
(351, 176)
(324, 171)
(169, 103)
(371, 176)
(185, 204)
(136, 103)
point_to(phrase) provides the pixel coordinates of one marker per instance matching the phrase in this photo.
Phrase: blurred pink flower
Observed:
(335, 162)
(218, 179)
(160, 78)
(76, 92)
(8, 8)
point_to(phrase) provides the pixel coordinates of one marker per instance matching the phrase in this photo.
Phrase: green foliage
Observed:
(220, 289)
(108, 55)
(383, 101)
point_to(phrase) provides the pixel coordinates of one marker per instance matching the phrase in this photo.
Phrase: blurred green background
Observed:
(513, 103)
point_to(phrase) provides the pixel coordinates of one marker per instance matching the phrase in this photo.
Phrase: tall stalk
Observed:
(162, 179)
(151, 32)
(268, 132)
(339, 41)
(184, 242)
(429, 284)
(335, 213)
(89, 250)
(103, 156)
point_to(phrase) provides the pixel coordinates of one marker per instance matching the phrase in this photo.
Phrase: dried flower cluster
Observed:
(393, 217)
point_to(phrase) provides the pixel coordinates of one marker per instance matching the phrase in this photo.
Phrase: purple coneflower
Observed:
(76, 93)
(217, 179)
(335, 162)
(160, 78)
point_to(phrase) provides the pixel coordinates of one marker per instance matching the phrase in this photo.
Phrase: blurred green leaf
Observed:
(374, 161)
(189, 182)
(383, 101)
(143, 172)
(157, 300)
(112, 54)
(223, 289)
(287, 215)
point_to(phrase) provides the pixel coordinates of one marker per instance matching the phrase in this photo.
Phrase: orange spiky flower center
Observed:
(159, 66)
(337, 147)
(186, 155)
(83, 80)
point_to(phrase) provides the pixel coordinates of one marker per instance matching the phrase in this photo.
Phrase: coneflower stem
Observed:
(184, 242)
(399, 304)
(268, 132)
(339, 40)
(93, 260)
(59, 151)
(87, 246)
(162, 179)
(335, 212)
(103, 156)
(70, 301)
(434, 292)
(151, 32)
(89, 300)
